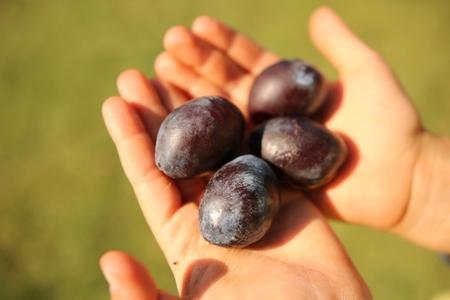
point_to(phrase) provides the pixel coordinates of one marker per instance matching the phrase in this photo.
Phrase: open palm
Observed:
(300, 257)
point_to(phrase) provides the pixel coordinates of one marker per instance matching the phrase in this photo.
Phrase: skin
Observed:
(402, 170)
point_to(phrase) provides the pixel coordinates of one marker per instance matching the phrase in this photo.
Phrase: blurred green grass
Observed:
(63, 197)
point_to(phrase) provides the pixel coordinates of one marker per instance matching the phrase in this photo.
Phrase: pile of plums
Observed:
(242, 197)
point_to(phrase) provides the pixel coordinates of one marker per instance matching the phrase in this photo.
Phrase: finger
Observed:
(245, 52)
(128, 278)
(206, 60)
(171, 96)
(158, 196)
(339, 44)
(180, 75)
(135, 88)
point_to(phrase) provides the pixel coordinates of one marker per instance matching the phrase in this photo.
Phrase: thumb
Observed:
(128, 278)
(339, 44)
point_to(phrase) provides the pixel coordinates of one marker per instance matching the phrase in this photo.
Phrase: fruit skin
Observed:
(306, 153)
(287, 88)
(239, 203)
(199, 136)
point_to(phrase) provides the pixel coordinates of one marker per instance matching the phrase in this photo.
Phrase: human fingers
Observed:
(170, 95)
(245, 52)
(158, 195)
(339, 44)
(205, 59)
(137, 90)
(173, 71)
(128, 278)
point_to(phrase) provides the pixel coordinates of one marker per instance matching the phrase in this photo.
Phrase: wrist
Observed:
(427, 219)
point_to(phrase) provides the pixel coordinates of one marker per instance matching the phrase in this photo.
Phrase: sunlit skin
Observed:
(396, 178)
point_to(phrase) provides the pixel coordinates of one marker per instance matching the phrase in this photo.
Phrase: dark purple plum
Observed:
(199, 136)
(239, 203)
(306, 153)
(287, 88)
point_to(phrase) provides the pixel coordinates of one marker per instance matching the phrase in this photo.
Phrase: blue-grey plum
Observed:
(239, 203)
(199, 136)
(306, 153)
(286, 88)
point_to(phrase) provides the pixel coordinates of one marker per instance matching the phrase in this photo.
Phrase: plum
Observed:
(199, 136)
(287, 88)
(239, 203)
(305, 152)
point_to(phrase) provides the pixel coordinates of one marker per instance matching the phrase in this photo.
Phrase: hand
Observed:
(383, 184)
(300, 257)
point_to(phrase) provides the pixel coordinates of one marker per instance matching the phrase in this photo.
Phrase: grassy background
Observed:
(63, 197)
